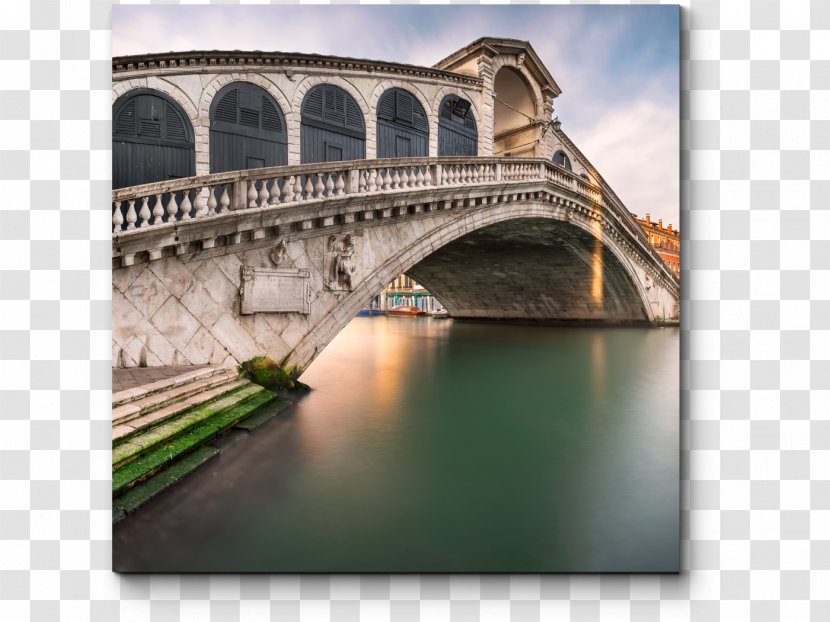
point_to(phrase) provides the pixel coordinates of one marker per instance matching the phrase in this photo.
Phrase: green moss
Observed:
(141, 443)
(263, 415)
(150, 463)
(268, 373)
(139, 495)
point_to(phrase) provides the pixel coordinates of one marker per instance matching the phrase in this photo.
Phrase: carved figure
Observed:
(278, 252)
(343, 267)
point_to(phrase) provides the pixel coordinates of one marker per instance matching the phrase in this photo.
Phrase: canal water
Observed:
(436, 445)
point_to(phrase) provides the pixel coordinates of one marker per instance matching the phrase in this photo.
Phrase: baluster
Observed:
(252, 194)
(211, 202)
(309, 188)
(186, 205)
(387, 179)
(419, 178)
(275, 192)
(396, 180)
(263, 193)
(329, 185)
(319, 187)
(445, 178)
(117, 216)
(199, 203)
(172, 208)
(131, 215)
(373, 178)
(158, 211)
(339, 185)
(224, 200)
(464, 173)
(144, 212)
(361, 182)
(475, 173)
(288, 189)
(427, 176)
(404, 178)
(298, 188)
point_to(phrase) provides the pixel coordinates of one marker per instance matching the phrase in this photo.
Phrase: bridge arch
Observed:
(412, 88)
(402, 125)
(591, 232)
(300, 93)
(332, 126)
(247, 129)
(457, 126)
(206, 103)
(152, 139)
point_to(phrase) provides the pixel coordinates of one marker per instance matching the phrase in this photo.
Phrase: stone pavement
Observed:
(130, 377)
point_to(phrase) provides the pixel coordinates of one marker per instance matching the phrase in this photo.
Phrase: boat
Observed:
(366, 311)
(406, 311)
(439, 314)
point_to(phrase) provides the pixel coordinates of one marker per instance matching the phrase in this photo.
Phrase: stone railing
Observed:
(175, 202)
(180, 200)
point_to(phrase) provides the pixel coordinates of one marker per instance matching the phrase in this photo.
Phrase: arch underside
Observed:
(531, 269)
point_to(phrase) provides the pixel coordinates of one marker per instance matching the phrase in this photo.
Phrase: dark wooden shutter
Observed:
(247, 129)
(332, 126)
(403, 130)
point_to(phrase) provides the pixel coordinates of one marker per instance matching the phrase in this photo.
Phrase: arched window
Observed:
(331, 127)
(247, 129)
(560, 158)
(152, 139)
(457, 132)
(403, 130)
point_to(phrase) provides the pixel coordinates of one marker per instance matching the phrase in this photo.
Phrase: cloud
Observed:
(636, 148)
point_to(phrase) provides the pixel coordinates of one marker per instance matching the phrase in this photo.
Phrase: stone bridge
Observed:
(262, 198)
(220, 268)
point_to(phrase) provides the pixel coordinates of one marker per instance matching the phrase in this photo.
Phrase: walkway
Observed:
(130, 377)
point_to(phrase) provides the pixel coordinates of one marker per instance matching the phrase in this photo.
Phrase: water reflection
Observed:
(443, 446)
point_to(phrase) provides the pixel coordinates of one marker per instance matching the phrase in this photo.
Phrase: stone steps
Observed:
(127, 396)
(207, 393)
(147, 454)
(167, 392)
(157, 479)
(147, 439)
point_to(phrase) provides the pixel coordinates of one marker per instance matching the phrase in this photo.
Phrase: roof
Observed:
(493, 46)
(202, 59)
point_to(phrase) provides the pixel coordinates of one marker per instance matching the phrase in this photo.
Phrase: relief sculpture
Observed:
(341, 263)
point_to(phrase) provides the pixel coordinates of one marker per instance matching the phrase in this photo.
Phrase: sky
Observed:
(617, 65)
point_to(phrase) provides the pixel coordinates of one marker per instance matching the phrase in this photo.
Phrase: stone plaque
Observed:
(283, 290)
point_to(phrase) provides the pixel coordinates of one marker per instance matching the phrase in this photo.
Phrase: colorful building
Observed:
(666, 241)
(404, 291)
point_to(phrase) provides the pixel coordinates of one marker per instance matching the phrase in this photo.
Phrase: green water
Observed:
(434, 445)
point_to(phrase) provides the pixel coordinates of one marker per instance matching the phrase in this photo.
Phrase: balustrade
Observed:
(196, 198)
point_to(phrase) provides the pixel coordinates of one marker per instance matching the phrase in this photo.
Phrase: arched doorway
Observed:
(457, 132)
(515, 131)
(331, 127)
(247, 129)
(403, 130)
(152, 139)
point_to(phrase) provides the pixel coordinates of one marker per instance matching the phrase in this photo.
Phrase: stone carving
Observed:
(278, 252)
(284, 290)
(341, 265)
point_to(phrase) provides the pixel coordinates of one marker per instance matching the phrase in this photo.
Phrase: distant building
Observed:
(666, 241)
(405, 291)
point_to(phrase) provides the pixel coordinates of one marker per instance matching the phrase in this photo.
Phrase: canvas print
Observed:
(395, 289)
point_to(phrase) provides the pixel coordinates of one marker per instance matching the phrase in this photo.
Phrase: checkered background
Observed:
(755, 370)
